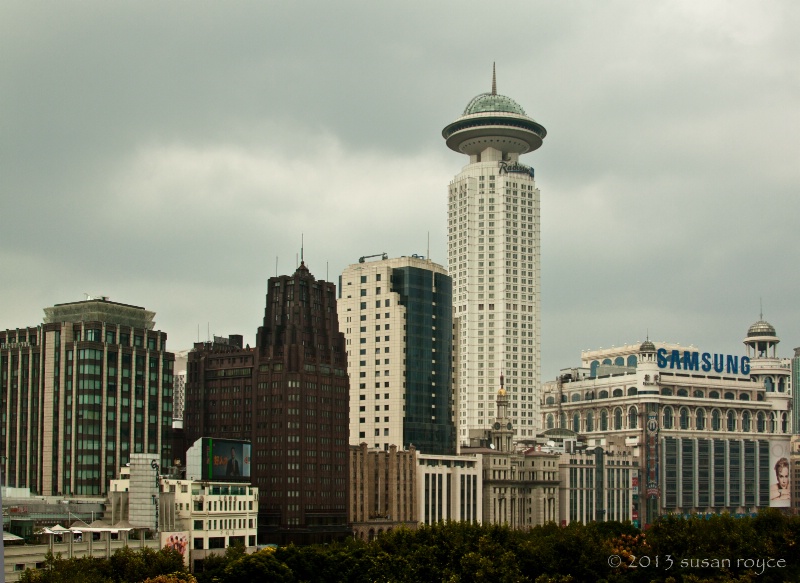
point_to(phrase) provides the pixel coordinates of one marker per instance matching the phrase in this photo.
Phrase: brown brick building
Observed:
(289, 397)
(382, 490)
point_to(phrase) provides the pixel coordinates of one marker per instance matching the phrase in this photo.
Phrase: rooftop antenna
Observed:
(428, 252)
(302, 239)
(494, 80)
(760, 308)
(276, 266)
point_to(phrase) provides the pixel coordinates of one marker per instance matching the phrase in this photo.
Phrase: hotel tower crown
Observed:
(493, 258)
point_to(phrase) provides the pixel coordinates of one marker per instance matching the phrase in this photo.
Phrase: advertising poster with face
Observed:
(230, 461)
(779, 490)
(178, 541)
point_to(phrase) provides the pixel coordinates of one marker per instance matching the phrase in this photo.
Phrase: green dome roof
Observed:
(761, 328)
(490, 102)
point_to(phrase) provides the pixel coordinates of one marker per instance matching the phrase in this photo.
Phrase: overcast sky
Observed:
(166, 153)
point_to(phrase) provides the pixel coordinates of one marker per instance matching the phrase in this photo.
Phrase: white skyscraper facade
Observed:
(493, 259)
(396, 315)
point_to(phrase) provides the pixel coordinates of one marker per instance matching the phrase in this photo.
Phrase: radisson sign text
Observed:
(704, 361)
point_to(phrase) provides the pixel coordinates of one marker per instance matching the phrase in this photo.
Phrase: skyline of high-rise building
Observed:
(81, 393)
(493, 258)
(396, 315)
(288, 396)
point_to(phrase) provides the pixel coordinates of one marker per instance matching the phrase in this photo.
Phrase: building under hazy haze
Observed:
(396, 315)
(289, 398)
(493, 258)
(709, 432)
(81, 393)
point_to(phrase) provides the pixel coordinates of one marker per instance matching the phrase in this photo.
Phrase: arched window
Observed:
(773, 423)
(604, 394)
(761, 422)
(782, 385)
(575, 397)
(619, 361)
(607, 361)
(632, 361)
(744, 396)
(784, 423)
(550, 401)
(617, 418)
(730, 396)
(746, 421)
(731, 421)
(769, 384)
(684, 418)
(669, 418)
(604, 421)
(713, 395)
(589, 421)
(563, 398)
(593, 368)
(563, 424)
(698, 394)
(589, 395)
(683, 393)
(576, 423)
(700, 419)
(617, 392)
(632, 391)
(666, 391)
(716, 420)
(633, 418)
(550, 421)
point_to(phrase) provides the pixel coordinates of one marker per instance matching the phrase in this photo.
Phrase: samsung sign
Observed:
(704, 361)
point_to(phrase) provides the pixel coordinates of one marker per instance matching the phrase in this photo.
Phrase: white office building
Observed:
(493, 258)
(396, 315)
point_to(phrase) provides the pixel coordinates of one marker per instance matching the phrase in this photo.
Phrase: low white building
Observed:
(199, 518)
(449, 487)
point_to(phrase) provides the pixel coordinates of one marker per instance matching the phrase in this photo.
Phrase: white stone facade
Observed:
(494, 259)
(210, 515)
(374, 322)
(449, 487)
(705, 429)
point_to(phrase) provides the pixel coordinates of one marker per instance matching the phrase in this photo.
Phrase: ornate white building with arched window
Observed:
(710, 430)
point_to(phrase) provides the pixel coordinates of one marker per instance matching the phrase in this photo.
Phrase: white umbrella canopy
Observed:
(8, 537)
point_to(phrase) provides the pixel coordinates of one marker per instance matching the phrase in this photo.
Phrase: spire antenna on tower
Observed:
(494, 80)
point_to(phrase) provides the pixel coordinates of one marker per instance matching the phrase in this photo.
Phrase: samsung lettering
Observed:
(706, 362)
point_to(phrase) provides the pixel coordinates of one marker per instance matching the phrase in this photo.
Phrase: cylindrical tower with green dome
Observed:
(493, 258)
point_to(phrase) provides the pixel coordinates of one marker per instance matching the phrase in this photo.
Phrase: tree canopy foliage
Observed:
(696, 550)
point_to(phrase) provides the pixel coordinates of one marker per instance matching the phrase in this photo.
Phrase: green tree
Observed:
(259, 566)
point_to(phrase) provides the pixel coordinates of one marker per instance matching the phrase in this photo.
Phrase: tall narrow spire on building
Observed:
(494, 80)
